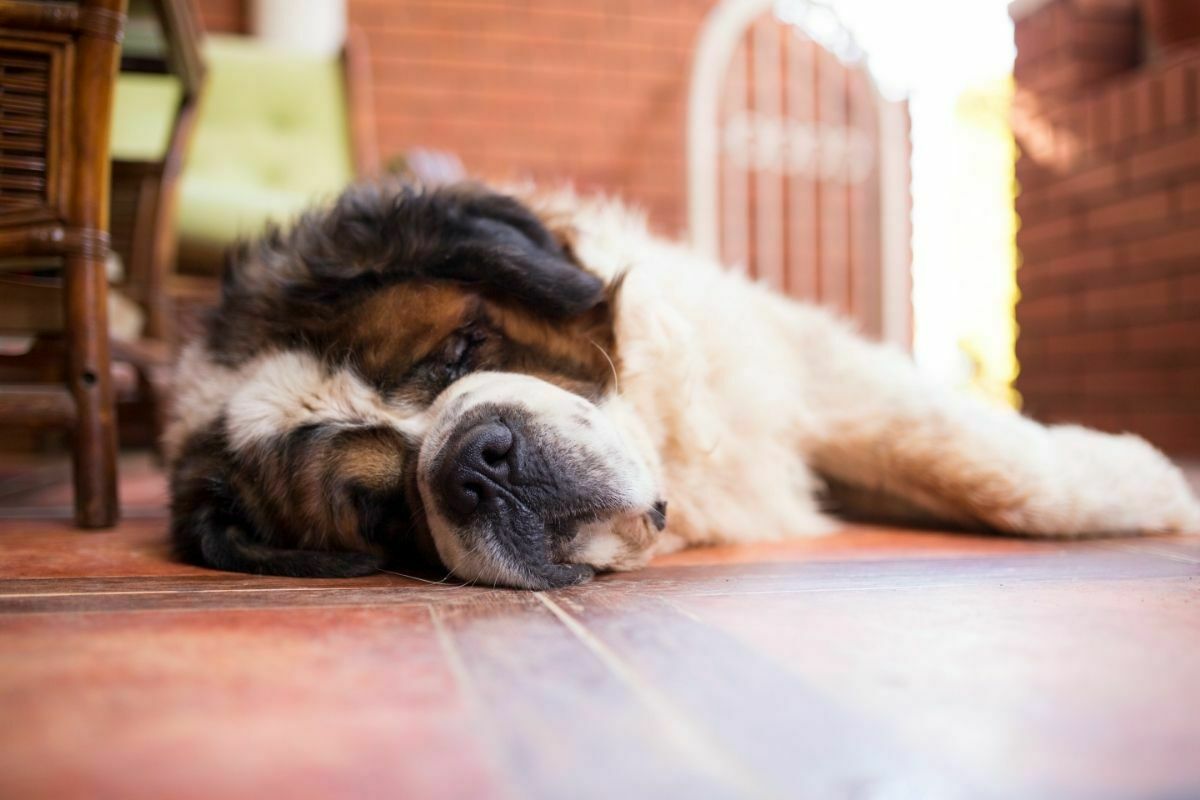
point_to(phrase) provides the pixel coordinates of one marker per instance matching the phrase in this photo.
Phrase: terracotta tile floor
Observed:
(872, 663)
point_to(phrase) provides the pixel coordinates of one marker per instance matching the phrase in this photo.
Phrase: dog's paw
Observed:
(1112, 485)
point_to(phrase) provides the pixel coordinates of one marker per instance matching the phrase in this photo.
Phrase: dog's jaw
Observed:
(606, 519)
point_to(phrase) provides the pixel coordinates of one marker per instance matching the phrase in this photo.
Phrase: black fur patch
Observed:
(210, 526)
(288, 289)
(411, 289)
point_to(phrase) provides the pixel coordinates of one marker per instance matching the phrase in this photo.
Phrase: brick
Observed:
(1189, 197)
(1187, 384)
(224, 16)
(1030, 348)
(1101, 112)
(1187, 295)
(1059, 78)
(602, 104)
(1178, 338)
(1109, 421)
(1060, 18)
(1192, 91)
(1148, 100)
(1038, 255)
(1104, 37)
(1037, 282)
(1129, 382)
(1051, 382)
(1081, 343)
(1177, 100)
(1180, 155)
(1036, 232)
(1126, 126)
(1031, 175)
(1153, 207)
(1031, 204)
(1055, 312)
(1115, 9)
(1034, 37)
(1088, 261)
(1129, 301)
(1076, 132)
(1177, 432)
(1178, 245)
(1087, 185)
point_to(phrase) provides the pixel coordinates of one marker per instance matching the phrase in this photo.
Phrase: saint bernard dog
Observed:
(525, 389)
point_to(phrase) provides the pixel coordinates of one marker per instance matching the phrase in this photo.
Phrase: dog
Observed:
(526, 389)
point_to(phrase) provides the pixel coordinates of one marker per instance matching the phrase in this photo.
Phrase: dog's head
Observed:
(412, 372)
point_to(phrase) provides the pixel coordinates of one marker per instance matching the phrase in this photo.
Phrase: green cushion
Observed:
(272, 136)
(144, 109)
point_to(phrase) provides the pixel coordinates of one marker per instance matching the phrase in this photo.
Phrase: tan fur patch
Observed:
(397, 326)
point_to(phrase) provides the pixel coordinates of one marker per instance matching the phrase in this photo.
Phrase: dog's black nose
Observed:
(479, 467)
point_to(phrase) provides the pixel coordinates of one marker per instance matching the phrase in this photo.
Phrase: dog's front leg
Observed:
(878, 425)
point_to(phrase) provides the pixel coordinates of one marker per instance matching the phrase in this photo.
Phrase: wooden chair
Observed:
(58, 64)
(163, 39)
(144, 189)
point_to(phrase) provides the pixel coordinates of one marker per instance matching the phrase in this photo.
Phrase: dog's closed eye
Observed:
(461, 353)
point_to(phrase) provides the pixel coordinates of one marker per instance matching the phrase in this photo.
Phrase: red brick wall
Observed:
(223, 16)
(593, 90)
(1110, 225)
(590, 90)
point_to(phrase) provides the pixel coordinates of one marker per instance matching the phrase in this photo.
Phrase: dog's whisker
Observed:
(442, 581)
(611, 365)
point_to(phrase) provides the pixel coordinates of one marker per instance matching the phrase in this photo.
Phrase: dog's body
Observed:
(552, 452)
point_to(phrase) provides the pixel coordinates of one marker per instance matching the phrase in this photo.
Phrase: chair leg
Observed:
(89, 378)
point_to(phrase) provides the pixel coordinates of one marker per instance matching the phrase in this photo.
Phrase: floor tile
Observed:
(263, 703)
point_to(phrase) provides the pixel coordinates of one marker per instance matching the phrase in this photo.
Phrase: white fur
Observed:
(273, 394)
(285, 391)
(746, 395)
(732, 400)
(201, 389)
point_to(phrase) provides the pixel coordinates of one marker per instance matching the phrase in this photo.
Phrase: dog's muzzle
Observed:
(518, 476)
(512, 488)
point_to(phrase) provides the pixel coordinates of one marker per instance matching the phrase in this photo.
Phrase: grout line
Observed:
(470, 695)
(38, 477)
(902, 587)
(191, 590)
(687, 733)
(1151, 550)
(670, 601)
(670, 598)
(660, 591)
(4, 614)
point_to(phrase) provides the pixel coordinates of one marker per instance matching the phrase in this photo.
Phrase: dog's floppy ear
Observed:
(210, 529)
(379, 233)
(507, 247)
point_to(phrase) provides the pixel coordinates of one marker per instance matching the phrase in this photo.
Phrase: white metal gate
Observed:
(797, 167)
